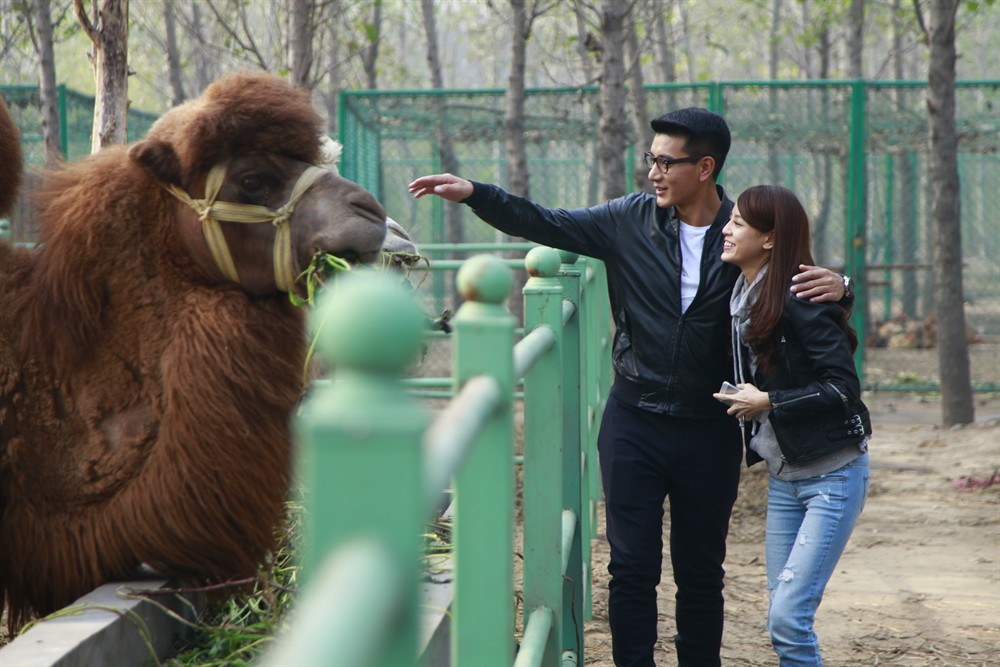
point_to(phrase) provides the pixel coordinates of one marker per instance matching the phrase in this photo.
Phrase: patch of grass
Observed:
(234, 631)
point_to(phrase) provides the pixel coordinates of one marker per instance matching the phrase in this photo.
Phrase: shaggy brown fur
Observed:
(10, 165)
(143, 400)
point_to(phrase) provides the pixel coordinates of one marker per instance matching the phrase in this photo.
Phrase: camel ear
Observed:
(158, 157)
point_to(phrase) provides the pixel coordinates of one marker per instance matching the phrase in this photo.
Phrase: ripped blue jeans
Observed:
(808, 525)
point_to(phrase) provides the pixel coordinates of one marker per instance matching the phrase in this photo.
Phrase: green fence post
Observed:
(544, 465)
(854, 254)
(888, 244)
(360, 456)
(595, 370)
(63, 122)
(483, 622)
(576, 599)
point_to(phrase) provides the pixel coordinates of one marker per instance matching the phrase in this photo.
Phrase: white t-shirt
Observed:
(692, 243)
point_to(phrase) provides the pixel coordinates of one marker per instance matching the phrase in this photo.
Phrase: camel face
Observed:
(325, 213)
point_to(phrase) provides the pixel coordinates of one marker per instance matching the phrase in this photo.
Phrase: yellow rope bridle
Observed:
(210, 212)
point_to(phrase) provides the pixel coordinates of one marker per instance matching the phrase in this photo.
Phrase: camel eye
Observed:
(252, 184)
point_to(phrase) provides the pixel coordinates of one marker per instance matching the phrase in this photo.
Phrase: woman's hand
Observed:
(747, 402)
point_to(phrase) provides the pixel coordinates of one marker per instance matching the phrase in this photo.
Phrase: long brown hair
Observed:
(772, 208)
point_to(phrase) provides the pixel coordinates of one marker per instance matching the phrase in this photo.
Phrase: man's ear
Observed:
(159, 157)
(706, 166)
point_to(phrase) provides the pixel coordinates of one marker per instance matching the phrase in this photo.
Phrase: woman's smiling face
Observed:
(744, 245)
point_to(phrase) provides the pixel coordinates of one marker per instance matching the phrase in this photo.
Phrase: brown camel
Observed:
(149, 354)
(10, 165)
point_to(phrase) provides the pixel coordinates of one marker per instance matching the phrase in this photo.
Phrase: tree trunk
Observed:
(47, 83)
(454, 231)
(583, 43)
(855, 39)
(202, 75)
(773, 165)
(661, 15)
(686, 31)
(110, 39)
(370, 54)
(173, 53)
(611, 133)
(517, 160)
(907, 236)
(300, 57)
(640, 115)
(953, 351)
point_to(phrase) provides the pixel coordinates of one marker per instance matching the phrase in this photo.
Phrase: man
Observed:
(663, 434)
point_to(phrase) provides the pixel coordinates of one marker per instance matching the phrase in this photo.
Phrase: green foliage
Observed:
(234, 631)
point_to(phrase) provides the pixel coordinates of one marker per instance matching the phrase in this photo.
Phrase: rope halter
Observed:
(211, 212)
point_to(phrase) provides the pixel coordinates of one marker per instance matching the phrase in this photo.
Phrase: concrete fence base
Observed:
(112, 625)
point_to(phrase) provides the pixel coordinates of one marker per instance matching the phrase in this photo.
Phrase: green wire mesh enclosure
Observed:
(855, 152)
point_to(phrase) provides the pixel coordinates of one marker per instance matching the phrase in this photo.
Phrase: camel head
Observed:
(248, 166)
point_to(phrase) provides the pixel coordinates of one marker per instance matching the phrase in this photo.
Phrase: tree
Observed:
(300, 39)
(611, 132)
(661, 17)
(40, 27)
(446, 149)
(855, 39)
(949, 304)
(173, 55)
(109, 36)
(640, 113)
(369, 56)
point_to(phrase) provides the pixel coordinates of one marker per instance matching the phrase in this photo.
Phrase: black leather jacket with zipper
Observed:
(816, 406)
(665, 361)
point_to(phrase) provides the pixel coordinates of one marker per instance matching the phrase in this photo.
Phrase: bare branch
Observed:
(234, 33)
(88, 27)
(920, 21)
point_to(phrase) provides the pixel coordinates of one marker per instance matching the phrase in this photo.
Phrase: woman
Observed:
(799, 403)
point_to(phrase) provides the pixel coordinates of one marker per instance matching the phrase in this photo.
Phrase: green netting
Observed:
(76, 114)
(855, 153)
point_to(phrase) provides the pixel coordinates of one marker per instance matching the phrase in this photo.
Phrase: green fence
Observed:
(375, 467)
(854, 151)
(76, 120)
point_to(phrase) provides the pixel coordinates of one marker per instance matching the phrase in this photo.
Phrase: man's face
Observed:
(682, 183)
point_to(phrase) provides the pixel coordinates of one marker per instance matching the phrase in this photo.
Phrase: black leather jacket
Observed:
(815, 392)
(665, 361)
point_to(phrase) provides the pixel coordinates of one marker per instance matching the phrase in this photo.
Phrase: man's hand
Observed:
(445, 186)
(817, 284)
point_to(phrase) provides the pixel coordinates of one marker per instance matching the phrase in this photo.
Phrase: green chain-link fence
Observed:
(855, 152)
(76, 120)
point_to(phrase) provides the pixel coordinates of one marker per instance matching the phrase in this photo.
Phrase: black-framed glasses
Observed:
(663, 163)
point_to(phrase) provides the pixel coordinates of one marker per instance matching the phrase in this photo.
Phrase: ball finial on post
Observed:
(368, 322)
(485, 279)
(542, 262)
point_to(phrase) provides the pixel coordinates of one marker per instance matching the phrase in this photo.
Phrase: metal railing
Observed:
(375, 467)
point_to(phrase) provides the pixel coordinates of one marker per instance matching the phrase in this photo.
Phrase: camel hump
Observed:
(11, 165)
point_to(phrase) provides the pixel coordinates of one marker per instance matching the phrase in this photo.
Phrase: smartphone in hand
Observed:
(727, 388)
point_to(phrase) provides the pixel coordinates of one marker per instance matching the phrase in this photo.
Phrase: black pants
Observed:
(646, 457)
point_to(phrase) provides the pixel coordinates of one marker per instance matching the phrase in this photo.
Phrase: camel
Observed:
(149, 354)
(10, 169)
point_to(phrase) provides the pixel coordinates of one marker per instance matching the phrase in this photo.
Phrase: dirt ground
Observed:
(919, 583)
